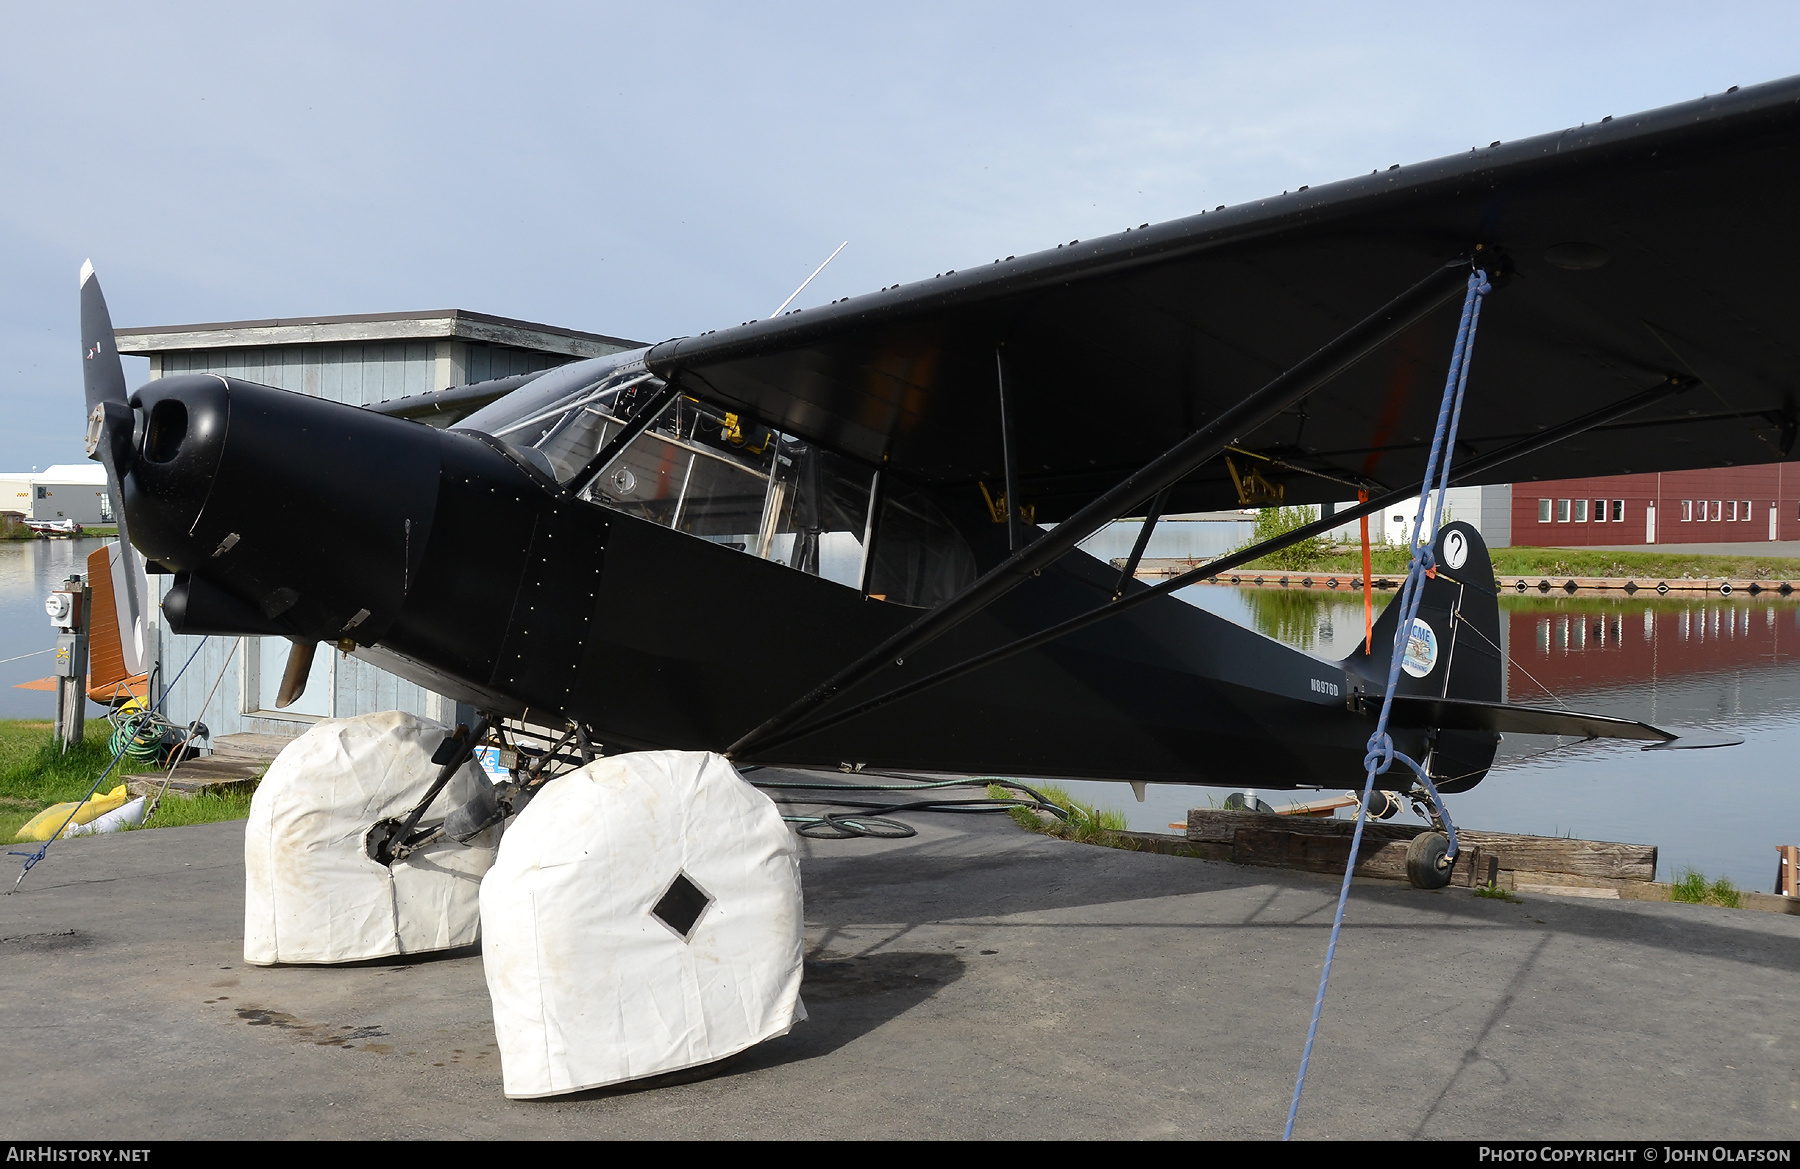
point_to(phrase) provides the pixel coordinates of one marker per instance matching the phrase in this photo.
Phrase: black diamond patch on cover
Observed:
(681, 906)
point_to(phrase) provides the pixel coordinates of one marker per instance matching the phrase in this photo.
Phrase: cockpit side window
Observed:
(717, 475)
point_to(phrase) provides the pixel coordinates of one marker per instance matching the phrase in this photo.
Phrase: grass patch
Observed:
(1339, 559)
(34, 774)
(1692, 886)
(1390, 560)
(175, 811)
(1494, 892)
(1085, 825)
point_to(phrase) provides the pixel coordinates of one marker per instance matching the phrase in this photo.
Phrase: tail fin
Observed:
(1453, 651)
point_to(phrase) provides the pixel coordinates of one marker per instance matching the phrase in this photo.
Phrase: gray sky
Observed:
(655, 170)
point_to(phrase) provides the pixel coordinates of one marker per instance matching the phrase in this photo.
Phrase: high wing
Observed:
(1631, 251)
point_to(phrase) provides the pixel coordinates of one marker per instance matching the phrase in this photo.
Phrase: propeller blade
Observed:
(293, 679)
(102, 375)
(110, 428)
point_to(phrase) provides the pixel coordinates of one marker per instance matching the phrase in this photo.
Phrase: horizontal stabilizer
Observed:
(1464, 715)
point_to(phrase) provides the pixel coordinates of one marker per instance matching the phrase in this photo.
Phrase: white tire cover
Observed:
(311, 892)
(589, 987)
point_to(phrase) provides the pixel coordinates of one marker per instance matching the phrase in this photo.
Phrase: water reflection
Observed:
(30, 569)
(1703, 661)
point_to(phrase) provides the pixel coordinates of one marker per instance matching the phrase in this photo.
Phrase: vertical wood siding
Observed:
(354, 373)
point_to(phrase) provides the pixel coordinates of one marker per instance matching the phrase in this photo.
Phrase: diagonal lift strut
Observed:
(1468, 469)
(1177, 462)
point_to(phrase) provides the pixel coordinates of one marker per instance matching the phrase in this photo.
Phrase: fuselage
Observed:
(460, 560)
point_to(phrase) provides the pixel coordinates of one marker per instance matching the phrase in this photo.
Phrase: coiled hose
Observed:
(139, 736)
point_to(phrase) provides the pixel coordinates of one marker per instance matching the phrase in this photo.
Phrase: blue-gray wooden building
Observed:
(230, 683)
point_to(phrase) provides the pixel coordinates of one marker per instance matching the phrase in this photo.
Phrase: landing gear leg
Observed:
(1431, 857)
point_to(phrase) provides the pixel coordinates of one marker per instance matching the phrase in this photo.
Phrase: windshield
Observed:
(722, 477)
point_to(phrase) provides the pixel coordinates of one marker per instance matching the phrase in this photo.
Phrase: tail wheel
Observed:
(1428, 862)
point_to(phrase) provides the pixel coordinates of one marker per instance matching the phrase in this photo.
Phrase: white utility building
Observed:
(71, 491)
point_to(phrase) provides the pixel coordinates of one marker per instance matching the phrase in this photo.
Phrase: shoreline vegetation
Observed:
(1661, 562)
(11, 529)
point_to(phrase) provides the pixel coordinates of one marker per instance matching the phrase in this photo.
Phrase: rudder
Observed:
(1454, 651)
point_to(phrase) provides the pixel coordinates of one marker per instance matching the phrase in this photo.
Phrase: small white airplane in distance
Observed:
(63, 527)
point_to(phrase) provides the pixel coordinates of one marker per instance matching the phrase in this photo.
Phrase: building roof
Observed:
(434, 324)
(82, 473)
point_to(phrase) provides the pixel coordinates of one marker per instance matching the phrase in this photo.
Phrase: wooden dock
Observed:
(1547, 865)
(1156, 570)
(237, 762)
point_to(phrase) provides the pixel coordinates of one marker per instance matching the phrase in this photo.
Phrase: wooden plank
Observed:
(1218, 824)
(252, 745)
(1510, 852)
(1316, 853)
(1591, 858)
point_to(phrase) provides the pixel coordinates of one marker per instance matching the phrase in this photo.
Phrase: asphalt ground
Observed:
(975, 981)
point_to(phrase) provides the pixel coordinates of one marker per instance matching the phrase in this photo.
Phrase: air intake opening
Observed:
(168, 426)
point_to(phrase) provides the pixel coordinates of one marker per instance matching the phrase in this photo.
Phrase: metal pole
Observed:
(62, 704)
(640, 422)
(872, 525)
(1165, 470)
(78, 683)
(1143, 541)
(1008, 471)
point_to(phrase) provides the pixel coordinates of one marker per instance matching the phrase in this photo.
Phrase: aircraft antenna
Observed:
(809, 279)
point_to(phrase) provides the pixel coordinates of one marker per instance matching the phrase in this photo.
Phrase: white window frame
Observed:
(250, 693)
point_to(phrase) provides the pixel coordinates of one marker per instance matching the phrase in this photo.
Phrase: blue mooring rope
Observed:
(32, 858)
(1381, 755)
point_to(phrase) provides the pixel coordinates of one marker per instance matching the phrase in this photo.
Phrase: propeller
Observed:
(110, 427)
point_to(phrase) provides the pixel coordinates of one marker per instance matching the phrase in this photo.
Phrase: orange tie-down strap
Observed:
(1368, 580)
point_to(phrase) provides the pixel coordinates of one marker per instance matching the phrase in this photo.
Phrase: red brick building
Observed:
(1727, 505)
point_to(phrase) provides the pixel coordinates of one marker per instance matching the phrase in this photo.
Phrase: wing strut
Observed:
(1009, 452)
(1198, 448)
(1143, 541)
(1224, 564)
(647, 413)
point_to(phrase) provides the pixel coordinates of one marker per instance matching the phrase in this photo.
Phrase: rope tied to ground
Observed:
(120, 745)
(1381, 752)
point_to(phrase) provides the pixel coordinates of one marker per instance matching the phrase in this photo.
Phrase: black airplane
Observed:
(846, 536)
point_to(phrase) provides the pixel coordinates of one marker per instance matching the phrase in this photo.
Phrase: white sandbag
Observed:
(128, 815)
(311, 891)
(598, 966)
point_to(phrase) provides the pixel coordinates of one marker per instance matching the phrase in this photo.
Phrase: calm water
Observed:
(29, 570)
(1725, 663)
